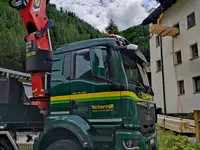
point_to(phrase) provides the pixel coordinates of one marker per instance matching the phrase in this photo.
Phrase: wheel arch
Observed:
(60, 132)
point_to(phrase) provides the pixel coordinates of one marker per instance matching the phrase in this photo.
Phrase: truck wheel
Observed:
(4, 145)
(65, 145)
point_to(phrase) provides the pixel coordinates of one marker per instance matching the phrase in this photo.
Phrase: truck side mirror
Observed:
(137, 52)
(132, 47)
(97, 62)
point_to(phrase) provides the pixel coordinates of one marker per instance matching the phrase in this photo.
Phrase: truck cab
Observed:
(100, 98)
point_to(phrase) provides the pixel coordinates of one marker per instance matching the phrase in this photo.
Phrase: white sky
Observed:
(125, 13)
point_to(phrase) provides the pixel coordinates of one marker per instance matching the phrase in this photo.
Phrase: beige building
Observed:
(177, 22)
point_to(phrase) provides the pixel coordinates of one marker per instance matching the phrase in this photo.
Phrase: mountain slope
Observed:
(138, 35)
(67, 28)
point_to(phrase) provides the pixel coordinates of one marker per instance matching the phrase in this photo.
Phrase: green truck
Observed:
(100, 98)
(86, 95)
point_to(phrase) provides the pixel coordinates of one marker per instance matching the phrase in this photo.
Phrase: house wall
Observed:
(188, 69)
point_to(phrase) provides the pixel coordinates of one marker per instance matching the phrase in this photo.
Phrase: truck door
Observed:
(106, 104)
(81, 82)
(92, 97)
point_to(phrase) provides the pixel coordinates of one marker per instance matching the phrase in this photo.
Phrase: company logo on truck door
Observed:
(102, 108)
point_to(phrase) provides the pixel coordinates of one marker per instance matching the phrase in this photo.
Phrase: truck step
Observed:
(105, 126)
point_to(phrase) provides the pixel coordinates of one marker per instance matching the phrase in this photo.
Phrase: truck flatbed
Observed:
(23, 117)
(16, 113)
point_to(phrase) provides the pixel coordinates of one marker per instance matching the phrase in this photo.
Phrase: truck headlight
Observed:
(131, 144)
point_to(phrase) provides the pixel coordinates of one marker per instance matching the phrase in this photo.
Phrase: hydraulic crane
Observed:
(38, 46)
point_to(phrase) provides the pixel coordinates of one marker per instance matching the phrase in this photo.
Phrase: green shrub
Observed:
(170, 141)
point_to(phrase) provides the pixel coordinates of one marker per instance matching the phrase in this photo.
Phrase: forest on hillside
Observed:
(138, 35)
(67, 28)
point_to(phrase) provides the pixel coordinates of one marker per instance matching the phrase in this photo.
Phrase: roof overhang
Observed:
(154, 16)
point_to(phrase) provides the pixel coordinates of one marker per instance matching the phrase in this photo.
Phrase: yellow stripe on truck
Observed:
(101, 95)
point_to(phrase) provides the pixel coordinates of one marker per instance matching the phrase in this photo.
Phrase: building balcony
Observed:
(163, 30)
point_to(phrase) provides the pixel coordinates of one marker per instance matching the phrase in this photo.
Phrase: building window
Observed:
(194, 50)
(177, 26)
(196, 84)
(181, 88)
(157, 41)
(191, 20)
(159, 66)
(178, 58)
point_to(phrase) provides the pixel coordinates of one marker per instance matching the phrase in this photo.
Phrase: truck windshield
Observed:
(135, 72)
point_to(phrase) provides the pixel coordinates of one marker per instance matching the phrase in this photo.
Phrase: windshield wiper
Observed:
(146, 89)
(138, 85)
(113, 85)
(142, 85)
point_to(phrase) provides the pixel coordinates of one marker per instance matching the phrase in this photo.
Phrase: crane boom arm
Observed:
(38, 45)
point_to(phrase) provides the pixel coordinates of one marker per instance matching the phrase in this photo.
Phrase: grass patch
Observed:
(170, 141)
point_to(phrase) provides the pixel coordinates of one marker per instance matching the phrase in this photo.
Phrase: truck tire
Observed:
(4, 145)
(65, 145)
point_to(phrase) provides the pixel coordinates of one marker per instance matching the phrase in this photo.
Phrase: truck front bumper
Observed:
(128, 139)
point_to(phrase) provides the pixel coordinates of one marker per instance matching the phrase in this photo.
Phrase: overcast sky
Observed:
(125, 13)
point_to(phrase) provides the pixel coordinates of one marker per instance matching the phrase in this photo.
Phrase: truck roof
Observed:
(85, 44)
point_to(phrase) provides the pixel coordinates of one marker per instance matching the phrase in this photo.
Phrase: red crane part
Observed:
(33, 15)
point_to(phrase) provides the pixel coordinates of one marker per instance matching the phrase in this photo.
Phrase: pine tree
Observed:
(112, 28)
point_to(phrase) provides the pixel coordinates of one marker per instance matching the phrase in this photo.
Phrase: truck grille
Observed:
(147, 117)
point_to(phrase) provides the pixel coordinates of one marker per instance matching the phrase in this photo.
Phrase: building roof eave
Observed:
(164, 5)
